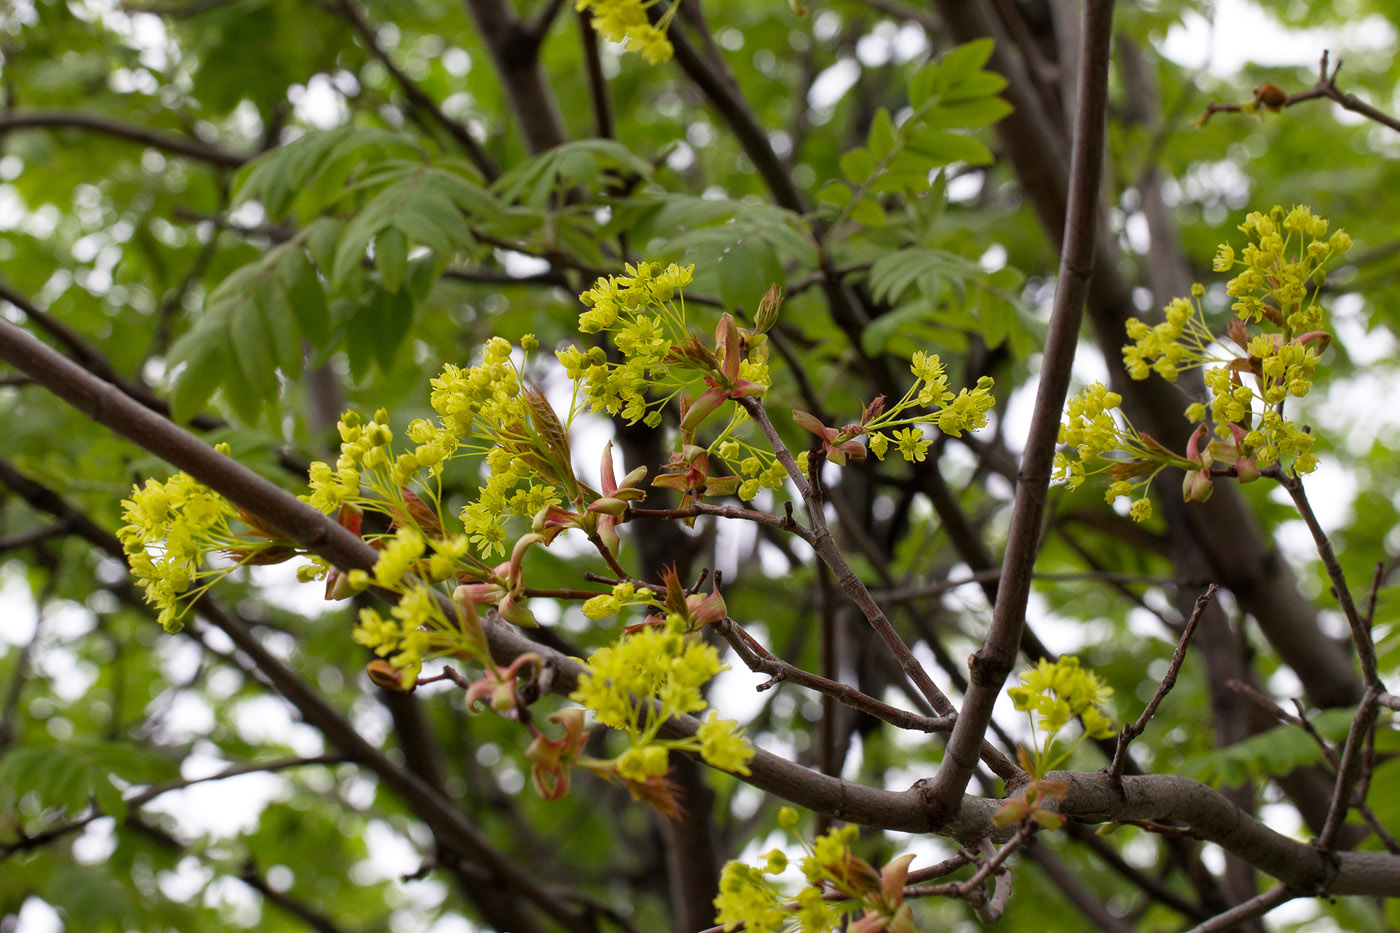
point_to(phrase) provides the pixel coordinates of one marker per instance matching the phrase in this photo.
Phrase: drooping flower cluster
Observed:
(626, 21)
(635, 684)
(1092, 433)
(170, 527)
(1051, 695)
(416, 630)
(748, 894)
(1280, 336)
(927, 405)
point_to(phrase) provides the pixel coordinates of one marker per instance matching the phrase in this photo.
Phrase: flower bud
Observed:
(768, 307)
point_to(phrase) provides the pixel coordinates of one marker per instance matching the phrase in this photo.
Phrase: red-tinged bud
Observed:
(478, 594)
(744, 388)
(1012, 811)
(503, 697)
(812, 423)
(608, 506)
(706, 610)
(517, 558)
(768, 307)
(632, 480)
(1319, 337)
(419, 515)
(903, 921)
(1193, 447)
(607, 533)
(853, 449)
(872, 922)
(340, 585)
(1270, 95)
(1197, 486)
(350, 517)
(727, 338)
(606, 470)
(386, 675)
(513, 611)
(892, 878)
(259, 557)
(722, 485)
(701, 409)
(256, 525)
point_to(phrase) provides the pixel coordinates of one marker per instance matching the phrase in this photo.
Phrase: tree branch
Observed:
(165, 142)
(1326, 87)
(993, 661)
(1115, 771)
(417, 97)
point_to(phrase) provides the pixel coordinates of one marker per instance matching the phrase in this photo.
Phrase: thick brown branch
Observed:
(993, 661)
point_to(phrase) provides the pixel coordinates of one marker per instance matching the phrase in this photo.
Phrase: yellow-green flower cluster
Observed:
(952, 413)
(1286, 255)
(415, 630)
(749, 894)
(1051, 695)
(622, 595)
(511, 490)
(644, 313)
(1276, 285)
(641, 680)
(758, 467)
(1181, 342)
(367, 459)
(1092, 433)
(169, 528)
(747, 897)
(488, 411)
(626, 21)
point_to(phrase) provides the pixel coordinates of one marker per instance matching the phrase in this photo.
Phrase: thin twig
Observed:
(141, 798)
(1254, 907)
(760, 660)
(1326, 87)
(1360, 631)
(1348, 767)
(1120, 755)
(350, 11)
(165, 142)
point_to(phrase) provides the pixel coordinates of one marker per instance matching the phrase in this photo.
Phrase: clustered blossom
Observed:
(951, 413)
(648, 676)
(1275, 292)
(170, 527)
(748, 894)
(626, 21)
(1051, 695)
(643, 312)
(406, 638)
(1092, 432)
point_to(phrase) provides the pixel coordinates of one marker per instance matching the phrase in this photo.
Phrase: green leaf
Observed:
(305, 297)
(882, 138)
(203, 351)
(857, 165)
(943, 148)
(390, 257)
